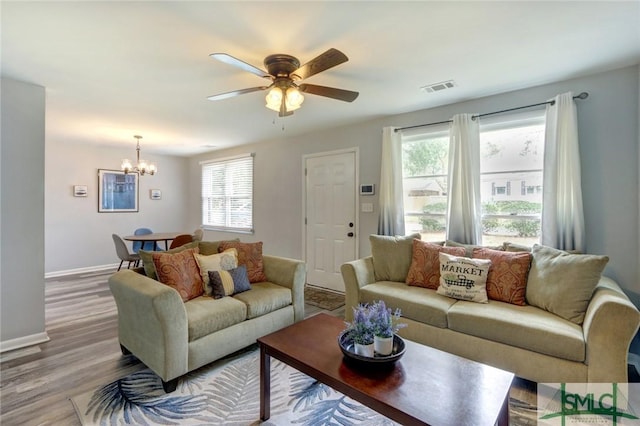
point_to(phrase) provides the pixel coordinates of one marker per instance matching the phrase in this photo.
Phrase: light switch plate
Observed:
(367, 207)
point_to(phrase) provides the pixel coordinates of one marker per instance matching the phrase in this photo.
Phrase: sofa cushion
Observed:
(425, 263)
(147, 258)
(211, 247)
(179, 271)
(264, 297)
(469, 247)
(525, 327)
(226, 283)
(391, 256)
(206, 315)
(463, 278)
(415, 303)
(507, 279)
(249, 254)
(228, 259)
(563, 283)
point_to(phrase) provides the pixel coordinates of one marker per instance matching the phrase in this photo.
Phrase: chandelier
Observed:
(141, 166)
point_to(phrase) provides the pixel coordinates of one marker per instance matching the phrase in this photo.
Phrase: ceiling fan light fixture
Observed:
(294, 98)
(274, 98)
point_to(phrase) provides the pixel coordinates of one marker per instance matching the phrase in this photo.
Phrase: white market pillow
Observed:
(464, 278)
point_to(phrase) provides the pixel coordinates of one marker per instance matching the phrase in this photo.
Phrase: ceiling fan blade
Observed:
(328, 59)
(226, 95)
(228, 59)
(329, 92)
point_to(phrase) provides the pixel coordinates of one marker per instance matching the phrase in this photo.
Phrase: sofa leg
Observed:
(170, 386)
(125, 351)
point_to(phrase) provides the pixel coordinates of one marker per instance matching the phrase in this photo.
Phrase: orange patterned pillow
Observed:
(507, 280)
(179, 271)
(249, 254)
(425, 263)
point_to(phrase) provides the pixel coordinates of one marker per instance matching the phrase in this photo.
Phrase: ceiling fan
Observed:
(285, 73)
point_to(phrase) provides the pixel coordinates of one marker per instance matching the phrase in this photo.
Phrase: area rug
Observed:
(323, 299)
(227, 393)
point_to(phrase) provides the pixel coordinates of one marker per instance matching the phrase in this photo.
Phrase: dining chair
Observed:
(146, 245)
(181, 240)
(198, 234)
(123, 252)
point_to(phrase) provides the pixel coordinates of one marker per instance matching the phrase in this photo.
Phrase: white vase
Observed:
(364, 350)
(383, 345)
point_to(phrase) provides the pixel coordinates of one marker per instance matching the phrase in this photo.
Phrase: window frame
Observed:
(226, 166)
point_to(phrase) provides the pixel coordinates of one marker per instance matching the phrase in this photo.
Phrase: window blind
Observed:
(227, 194)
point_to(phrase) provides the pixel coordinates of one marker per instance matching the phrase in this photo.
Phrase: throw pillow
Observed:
(469, 247)
(211, 247)
(228, 259)
(226, 283)
(425, 263)
(507, 279)
(392, 256)
(463, 278)
(563, 283)
(147, 258)
(179, 271)
(249, 254)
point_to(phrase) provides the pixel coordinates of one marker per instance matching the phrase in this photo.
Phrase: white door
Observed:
(330, 217)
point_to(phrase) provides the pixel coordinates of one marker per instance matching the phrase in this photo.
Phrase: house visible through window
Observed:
(511, 163)
(227, 194)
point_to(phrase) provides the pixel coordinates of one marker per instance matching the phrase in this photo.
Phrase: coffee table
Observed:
(425, 387)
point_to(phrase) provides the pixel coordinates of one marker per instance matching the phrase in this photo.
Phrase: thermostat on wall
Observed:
(367, 189)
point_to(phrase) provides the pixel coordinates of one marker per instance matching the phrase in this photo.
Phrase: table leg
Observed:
(166, 244)
(503, 416)
(265, 384)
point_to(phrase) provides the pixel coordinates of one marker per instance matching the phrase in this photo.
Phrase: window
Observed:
(227, 194)
(511, 162)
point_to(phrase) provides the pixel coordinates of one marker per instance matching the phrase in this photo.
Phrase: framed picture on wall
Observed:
(117, 192)
(79, 190)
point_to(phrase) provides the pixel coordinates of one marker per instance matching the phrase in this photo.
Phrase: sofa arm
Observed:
(152, 323)
(290, 273)
(610, 324)
(356, 274)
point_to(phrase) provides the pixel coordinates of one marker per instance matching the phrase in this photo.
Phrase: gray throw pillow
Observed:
(392, 256)
(563, 283)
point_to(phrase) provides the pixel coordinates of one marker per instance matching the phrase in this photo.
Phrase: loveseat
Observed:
(530, 339)
(172, 336)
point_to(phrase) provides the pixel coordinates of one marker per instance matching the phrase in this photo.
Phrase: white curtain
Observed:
(391, 221)
(464, 222)
(562, 214)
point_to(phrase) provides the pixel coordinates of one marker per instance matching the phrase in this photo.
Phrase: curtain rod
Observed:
(583, 95)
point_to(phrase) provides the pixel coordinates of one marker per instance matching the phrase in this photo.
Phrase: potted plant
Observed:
(385, 325)
(361, 330)
(373, 328)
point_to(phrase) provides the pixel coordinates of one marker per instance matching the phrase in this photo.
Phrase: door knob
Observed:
(350, 234)
(350, 224)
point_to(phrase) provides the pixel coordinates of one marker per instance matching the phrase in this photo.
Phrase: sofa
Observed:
(535, 339)
(174, 334)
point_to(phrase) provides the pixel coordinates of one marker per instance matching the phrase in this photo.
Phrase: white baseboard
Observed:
(22, 342)
(99, 268)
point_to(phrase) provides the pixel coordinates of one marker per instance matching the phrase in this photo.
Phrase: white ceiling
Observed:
(115, 69)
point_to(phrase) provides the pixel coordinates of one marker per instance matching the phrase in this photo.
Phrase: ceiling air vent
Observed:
(436, 87)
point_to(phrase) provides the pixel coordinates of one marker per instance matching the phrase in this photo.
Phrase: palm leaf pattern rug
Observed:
(223, 393)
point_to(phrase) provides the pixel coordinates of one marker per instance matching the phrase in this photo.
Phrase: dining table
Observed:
(155, 237)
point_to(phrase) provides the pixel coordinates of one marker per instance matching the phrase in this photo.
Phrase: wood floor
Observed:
(83, 353)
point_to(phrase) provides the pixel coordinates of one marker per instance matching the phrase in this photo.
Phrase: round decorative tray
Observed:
(348, 349)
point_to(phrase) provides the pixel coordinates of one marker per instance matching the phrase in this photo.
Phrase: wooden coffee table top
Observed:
(426, 386)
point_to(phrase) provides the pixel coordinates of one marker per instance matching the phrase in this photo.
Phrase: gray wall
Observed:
(608, 130)
(22, 213)
(77, 236)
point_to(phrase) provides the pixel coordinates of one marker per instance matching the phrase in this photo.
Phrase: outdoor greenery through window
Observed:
(511, 163)
(227, 194)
